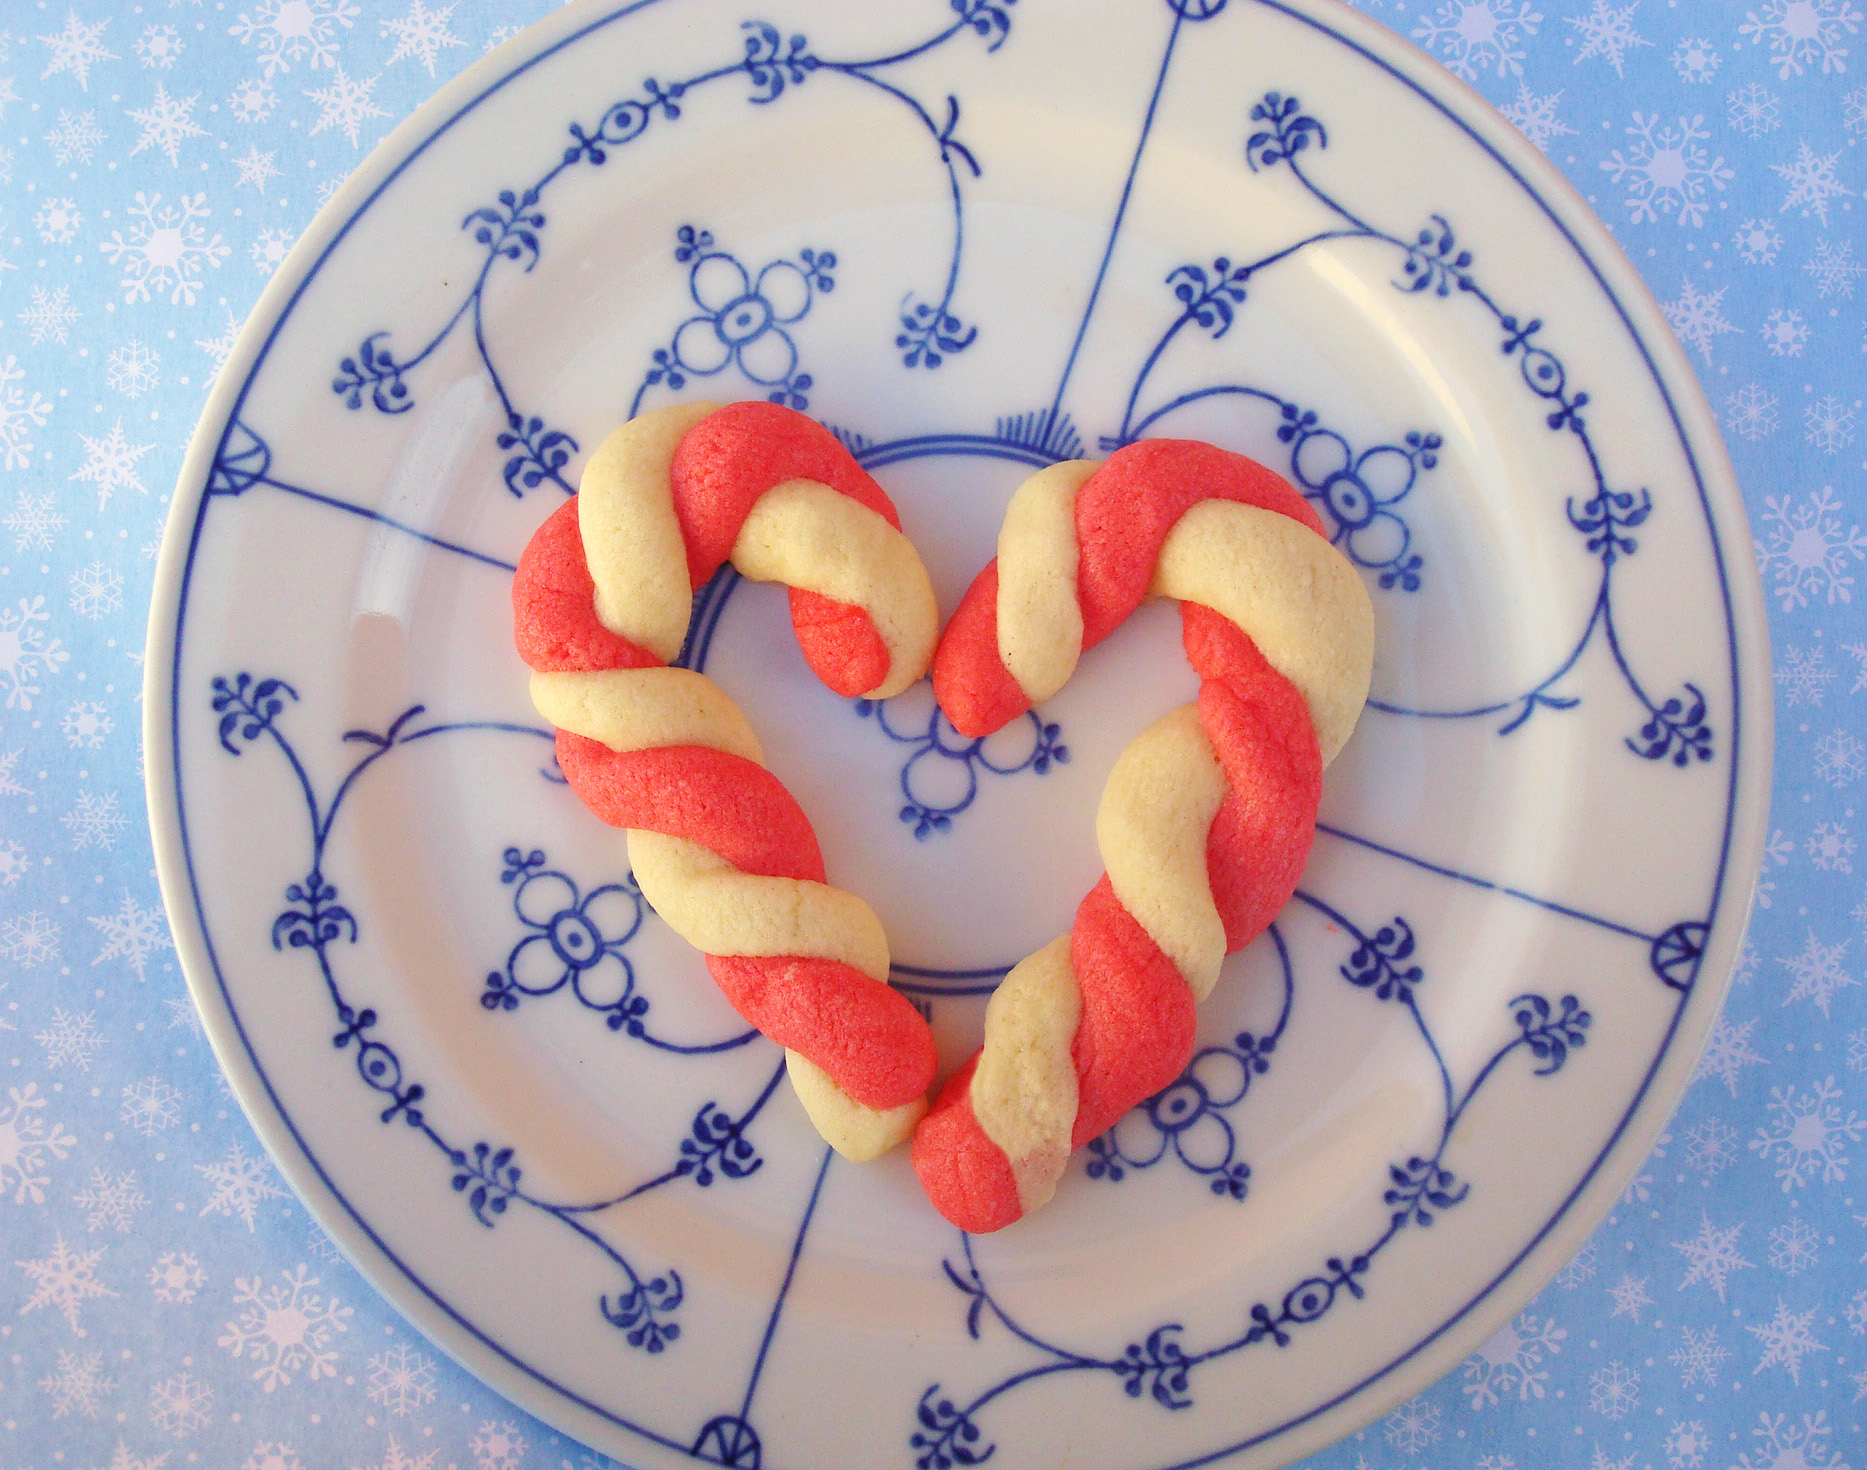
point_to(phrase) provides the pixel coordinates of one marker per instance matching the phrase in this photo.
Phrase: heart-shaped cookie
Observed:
(1204, 825)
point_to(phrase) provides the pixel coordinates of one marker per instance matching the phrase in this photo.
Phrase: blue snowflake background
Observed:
(155, 163)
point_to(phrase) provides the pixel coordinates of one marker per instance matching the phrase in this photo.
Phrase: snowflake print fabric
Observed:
(166, 1300)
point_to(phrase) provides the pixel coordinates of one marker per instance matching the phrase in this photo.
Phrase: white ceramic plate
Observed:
(973, 237)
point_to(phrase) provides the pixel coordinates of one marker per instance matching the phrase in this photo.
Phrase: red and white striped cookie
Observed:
(721, 849)
(1207, 817)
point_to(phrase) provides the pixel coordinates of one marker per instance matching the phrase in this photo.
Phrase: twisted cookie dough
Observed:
(1207, 817)
(721, 850)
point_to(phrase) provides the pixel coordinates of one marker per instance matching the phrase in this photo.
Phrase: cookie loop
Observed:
(1207, 818)
(721, 849)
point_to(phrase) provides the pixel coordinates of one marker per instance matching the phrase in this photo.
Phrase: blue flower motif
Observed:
(575, 940)
(742, 320)
(1358, 491)
(1187, 1117)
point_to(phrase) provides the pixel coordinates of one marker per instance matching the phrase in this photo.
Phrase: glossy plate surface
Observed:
(973, 238)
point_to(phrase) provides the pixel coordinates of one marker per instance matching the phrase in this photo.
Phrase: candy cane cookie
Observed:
(1207, 817)
(721, 849)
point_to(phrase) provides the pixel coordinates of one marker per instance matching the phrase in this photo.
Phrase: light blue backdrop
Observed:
(163, 1301)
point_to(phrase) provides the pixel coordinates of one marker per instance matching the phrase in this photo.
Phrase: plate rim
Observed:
(1625, 1148)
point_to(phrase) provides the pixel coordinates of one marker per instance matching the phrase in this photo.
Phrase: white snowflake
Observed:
(1414, 1425)
(176, 1277)
(71, 1038)
(1686, 1446)
(27, 1141)
(85, 725)
(1787, 1339)
(124, 1460)
(252, 101)
(1607, 31)
(1812, 182)
(158, 46)
(1857, 652)
(1711, 1256)
(1629, 1296)
(1535, 116)
(1472, 36)
(96, 589)
(76, 49)
(272, 1455)
(400, 1459)
(1808, 551)
(1830, 848)
(500, 1446)
(1784, 333)
(1750, 412)
(1510, 1361)
(421, 35)
(183, 1013)
(74, 138)
(1695, 59)
(150, 1106)
(269, 249)
(1806, 1134)
(29, 939)
(9, 783)
(1803, 33)
(64, 1279)
(1614, 1391)
(19, 416)
(94, 821)
(1581, 1267)
(288, 31)
(166, 123)
(344, 105)
(111, 1200)
(57, 222)
(131, 933)
(1790, 1446)
(132, 369)
(166, 250)
(13, 863)
(110, 464)
(240, 1184)
(1834, 268)
(1817, 973)
(1793, 1246)
(50, 316)
(1699, 1356)
(217, 348)
(1856, 1313)
(1828, 425)
(285, 1328)
(1752, 110)
(1667, 171)
(401, 1379)
(77, 1384)
(1696, 316)
(181, 1405)
(1757, 242)
(1710, 1146)
(256, 168)
(1840, 758)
